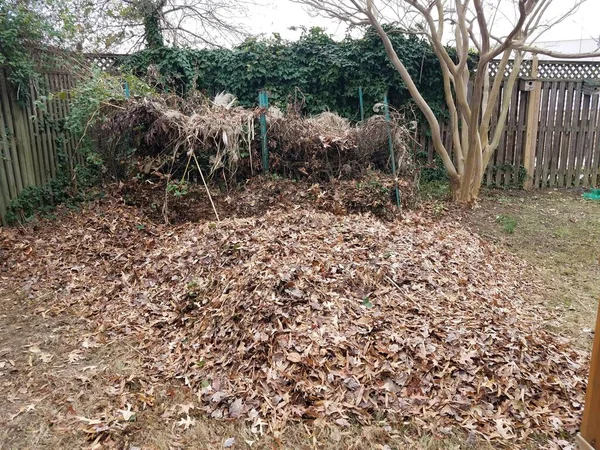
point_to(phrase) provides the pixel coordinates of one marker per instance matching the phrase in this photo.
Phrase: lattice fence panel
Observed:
(554, 70)
(524, 71)
(107, 62)
(569, 70)
(547, 70)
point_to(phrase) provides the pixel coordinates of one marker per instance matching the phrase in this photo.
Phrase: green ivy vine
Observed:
(23, 30)
(316, 70)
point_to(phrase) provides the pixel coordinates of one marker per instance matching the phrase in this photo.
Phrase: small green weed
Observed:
(508, 223)
(178, 189)
(435, 190)
(562, 232)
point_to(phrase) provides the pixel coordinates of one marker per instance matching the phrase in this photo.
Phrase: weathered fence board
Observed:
(588, 144)
(542, 128)
(596, 153)
(556, 142)
(30, 138)
(521, 134)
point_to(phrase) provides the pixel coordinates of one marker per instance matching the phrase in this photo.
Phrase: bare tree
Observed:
(128, 25)
(467, 24)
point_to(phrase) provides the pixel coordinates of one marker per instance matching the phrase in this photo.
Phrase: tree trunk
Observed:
(152, 12)
(152, 32)
(465, 192)
(466, 188)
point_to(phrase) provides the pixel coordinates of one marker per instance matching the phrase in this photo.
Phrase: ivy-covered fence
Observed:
(37, 155)
(314, 72)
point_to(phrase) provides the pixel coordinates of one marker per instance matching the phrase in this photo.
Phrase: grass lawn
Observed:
(558, 233)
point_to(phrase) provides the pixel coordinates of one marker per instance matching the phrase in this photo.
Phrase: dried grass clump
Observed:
(175, 129)
(373, 139)
(330, 121)
(328, 146)
(314, 148)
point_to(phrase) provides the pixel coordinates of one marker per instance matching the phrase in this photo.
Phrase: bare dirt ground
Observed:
(57, 378)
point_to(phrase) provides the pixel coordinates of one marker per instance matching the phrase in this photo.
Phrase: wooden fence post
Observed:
(533, 111)
(589, 437)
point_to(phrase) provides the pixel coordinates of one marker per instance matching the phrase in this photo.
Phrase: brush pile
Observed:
(170, 131)
(303, 314)
(327, 146)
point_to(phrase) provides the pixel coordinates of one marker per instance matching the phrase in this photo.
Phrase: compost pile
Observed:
(169, 131)
(327, 146)
(303, 314)
(178, 137)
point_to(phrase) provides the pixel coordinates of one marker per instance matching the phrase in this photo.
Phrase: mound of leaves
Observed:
(374, 193)
(304, 314)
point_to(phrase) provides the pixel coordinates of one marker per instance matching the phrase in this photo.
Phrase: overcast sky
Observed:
(279, 15)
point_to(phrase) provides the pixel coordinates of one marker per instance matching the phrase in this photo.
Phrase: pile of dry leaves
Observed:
(373, 193)
(304, 314)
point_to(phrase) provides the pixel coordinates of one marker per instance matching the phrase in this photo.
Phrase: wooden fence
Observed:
(552, 131)
(552, 134)
(32, 136)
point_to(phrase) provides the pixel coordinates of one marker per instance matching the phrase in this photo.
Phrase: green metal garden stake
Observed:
(263, 101)
(391, 145)
(362, 105)
(127, 94)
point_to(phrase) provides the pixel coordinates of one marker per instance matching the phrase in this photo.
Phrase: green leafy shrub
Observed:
(43, 200)
(435, 190)
(91, 104)
(432, 172)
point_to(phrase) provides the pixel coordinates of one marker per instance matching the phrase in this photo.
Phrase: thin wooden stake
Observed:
(206, 187)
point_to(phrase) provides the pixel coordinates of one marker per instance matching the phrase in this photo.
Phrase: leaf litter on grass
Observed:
(303, 314)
